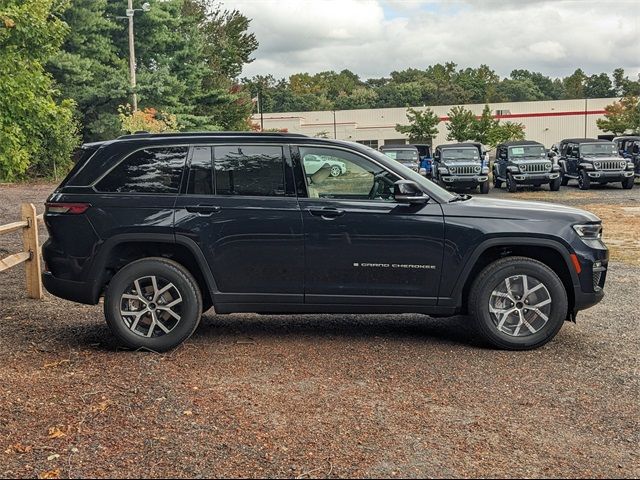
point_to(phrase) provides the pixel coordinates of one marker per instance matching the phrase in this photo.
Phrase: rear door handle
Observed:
(326, 212)
(203, 209)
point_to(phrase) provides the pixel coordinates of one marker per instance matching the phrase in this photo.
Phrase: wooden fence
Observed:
(30, 254)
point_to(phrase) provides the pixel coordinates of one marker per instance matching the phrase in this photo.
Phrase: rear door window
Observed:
(249, 170)
(151, 170)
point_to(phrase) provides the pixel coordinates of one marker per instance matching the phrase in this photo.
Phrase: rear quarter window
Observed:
(151, 170)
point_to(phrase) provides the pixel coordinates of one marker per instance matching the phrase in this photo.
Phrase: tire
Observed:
(512, 186)
(554, 185)
(627, 183)
(336, 171)
(584, 182)
(509, 337)
(484, 187)
(497, 183)
(179, 286)
(564, 181)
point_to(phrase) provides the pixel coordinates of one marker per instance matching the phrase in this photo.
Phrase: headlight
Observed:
(623, 164)
(452, 169)
(598, 165)
(548, 166)
(590, 233)
(477, 169)
(522, 168)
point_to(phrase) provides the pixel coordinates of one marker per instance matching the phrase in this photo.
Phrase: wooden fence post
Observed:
(31, 245)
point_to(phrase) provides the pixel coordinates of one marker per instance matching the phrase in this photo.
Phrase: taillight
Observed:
(71, 208)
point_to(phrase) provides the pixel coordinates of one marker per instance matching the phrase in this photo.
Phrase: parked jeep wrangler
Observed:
(629, 148)
(589, 160)
(165, 226)
(461, 165)
(524, 163)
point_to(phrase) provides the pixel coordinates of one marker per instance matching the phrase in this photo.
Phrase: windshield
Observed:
(598, 149)
(402, 155)
(527, 151)
(462, 153)
(430, 187)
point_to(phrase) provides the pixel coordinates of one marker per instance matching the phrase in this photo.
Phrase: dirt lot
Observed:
(323, 396)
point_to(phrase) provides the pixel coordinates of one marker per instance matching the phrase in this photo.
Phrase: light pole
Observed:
(132, 52)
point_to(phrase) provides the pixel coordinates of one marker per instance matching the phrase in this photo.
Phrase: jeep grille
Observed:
(468, 170)
(537, 167)
(610, 164)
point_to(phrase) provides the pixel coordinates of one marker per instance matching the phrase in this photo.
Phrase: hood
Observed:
(520, 161)
(461, 163)
(519, 210)
(594, 158)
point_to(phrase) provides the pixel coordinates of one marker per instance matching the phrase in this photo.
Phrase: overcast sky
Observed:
(375, 37)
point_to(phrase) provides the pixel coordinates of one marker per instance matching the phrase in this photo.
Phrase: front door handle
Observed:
(326, 213)
(203, 209)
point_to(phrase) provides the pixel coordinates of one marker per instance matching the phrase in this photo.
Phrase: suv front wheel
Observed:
(519, 303)
(153, 304)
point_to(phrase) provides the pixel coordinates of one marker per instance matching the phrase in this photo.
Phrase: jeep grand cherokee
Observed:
(166, 226)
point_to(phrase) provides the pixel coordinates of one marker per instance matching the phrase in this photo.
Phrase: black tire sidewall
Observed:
(493, 278)
(512, 186)
(584, 183)
(174, 273)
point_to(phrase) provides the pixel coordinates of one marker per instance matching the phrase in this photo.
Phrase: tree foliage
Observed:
(37, 128)
(423, 126)
(149, 120)
(461, 125)
(188, 56)
(622, 116)
(439, 84)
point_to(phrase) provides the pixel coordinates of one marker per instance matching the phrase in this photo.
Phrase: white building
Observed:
(546, 122)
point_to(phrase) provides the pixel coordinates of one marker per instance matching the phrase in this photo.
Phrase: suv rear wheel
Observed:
(153, 303)
(518, 303)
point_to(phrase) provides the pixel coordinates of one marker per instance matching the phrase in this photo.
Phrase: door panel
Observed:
(360, 245)
(253, 244)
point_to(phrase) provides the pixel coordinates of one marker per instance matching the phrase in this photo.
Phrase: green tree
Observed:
(505, 132)
(484, 126)
(461, 124)
(423, 126)
(621, 116)
(598, 86)
(37, 129)
(574, 84)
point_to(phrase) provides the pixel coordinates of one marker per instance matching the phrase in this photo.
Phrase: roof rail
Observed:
(144, 134)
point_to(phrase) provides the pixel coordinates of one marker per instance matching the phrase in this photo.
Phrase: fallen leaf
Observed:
(56, 432)
(50, 474)
(18, 448)
(55, 364)
(53, 457)
(101, 407)
(187, 412)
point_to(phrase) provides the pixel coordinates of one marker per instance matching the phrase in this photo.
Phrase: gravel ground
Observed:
(318, 396)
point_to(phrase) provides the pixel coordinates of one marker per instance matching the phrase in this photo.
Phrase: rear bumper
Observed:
(80, 292)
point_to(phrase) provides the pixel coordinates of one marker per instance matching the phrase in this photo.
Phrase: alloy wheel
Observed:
(151, 306)
(520, 306)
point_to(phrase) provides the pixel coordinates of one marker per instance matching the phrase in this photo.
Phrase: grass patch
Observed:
(621, 231)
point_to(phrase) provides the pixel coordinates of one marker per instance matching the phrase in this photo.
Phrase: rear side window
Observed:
(152, 170)
(201, 172)
(253, 170)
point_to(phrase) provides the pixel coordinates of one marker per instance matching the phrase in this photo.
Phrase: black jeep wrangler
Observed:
(590, 160)
(629, 148)
(524, 163)
(461, 165)
(166, 226)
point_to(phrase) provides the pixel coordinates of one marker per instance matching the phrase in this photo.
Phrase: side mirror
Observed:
(551, 154)
(407, 191)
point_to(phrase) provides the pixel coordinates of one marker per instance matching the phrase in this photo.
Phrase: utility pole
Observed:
(132, 55)
(261, 114)
(335, 135)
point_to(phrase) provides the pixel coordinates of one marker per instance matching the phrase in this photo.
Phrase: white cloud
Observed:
(375, 37)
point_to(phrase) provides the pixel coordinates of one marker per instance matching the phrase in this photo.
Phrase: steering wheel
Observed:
(380, 180)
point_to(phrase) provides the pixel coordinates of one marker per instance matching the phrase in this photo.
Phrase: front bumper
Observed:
(535, 178)
(467, 180)
(607, 176)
